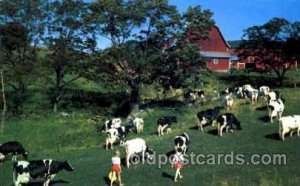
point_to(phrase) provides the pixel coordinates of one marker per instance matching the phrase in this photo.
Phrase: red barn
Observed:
(216, 50)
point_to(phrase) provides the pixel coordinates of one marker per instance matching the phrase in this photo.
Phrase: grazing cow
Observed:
(24, 171)
(111, 138)
(182, 142)
(113, 123)
(289, 124)
(274, 96)
(250, 93)
(165, 122)
(137, 145)
(207, 116)
(276, 109)
(263, 91)
(13, 148)
(227, 121)
(193, 95)
(139, 124)
(228, 100)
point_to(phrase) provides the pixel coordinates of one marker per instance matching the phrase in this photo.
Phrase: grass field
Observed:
(75, 139)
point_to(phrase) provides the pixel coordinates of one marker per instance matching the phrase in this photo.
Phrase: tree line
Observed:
(58, 42)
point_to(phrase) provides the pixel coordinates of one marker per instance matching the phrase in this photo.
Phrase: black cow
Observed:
(227, 121)
(165, 122)
(13, 148)
(24, 171)
(207, 116)
(182, 142)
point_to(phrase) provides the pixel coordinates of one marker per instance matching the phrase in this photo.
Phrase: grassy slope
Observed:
(75, 139)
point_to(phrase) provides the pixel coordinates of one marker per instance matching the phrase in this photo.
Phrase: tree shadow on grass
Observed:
(273, 136)
(161, 103)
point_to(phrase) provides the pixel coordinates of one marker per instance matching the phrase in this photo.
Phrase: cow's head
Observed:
(67, 166)
(149, 153)
(173, 119)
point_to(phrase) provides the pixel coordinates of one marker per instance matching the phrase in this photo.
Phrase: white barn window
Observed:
(216, 61)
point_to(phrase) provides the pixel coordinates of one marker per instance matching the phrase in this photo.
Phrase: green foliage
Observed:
(274, 44)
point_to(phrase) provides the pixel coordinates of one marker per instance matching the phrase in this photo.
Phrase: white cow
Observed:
(289, 124)
(111, 138)
(250, 93)
(134, 146)
(228, 101)
(264, 91)
(139, 124)
(276, 109)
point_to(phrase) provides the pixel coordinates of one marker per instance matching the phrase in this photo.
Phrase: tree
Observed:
(152, 25)
(21, 27)
(67, 42)
(273, 45)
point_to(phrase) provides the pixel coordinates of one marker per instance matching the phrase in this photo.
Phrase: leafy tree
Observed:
(21, 27)
(68, 43)
(153, 25)
(274, 45)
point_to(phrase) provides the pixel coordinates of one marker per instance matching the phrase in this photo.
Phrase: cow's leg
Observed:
(283, 134)
(143, 156)
(222, 128)
(298, 131)
(159, 130)
(127, 160)
(218, 128)
(291, 133)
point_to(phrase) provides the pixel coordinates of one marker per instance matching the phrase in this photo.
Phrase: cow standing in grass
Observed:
(207, 116)
(135, 146)
(289, 124)
(13, 148)
(227, 121)
(164, 123)
(275, 109)
(25, 171)
(182, 141)
(139, 124)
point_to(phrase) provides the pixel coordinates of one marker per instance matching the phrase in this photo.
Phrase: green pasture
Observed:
(74, 138)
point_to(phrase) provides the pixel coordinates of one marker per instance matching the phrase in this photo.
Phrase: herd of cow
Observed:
(116, 132)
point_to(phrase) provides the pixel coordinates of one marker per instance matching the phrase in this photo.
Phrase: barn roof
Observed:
(210, 54)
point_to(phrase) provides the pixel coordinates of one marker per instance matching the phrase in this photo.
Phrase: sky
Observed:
(234, 16)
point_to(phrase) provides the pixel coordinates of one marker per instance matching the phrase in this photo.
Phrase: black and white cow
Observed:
(250, 93)
(207, 116)
(113, 123)
(193, 95)
(25, 171)
(13, 148)
(165, 122)
(182, 141)
(275, 109)
(116, 134)
(227, 121)
(274, 96)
